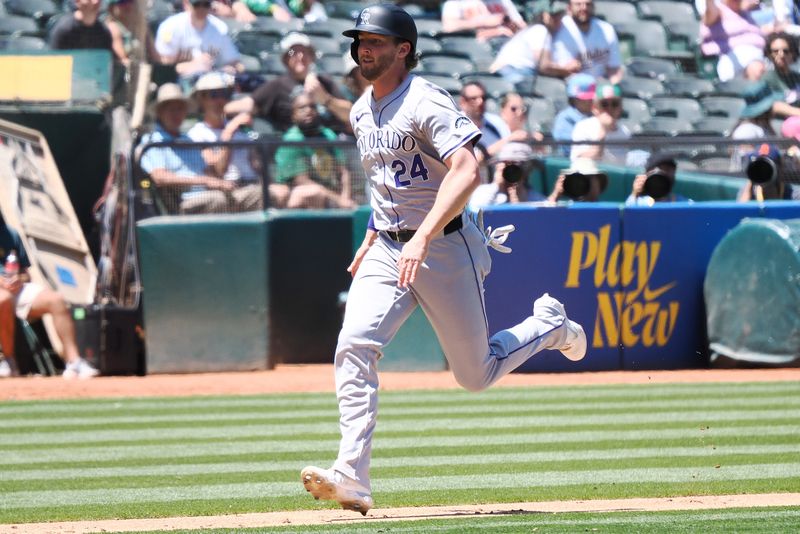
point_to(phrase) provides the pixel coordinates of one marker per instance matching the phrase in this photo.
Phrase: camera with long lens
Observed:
(577, 185)
(657, 184)
(513, 173)
(762, 169)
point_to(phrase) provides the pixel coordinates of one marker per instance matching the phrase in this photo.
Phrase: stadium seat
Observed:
(541, 113)
(39, 10)
(721, 125)
(257, 43)
(644, 88)
(271, 63)
(17, 24)
(448, 83)
(651, 67)
(480, 53)
(331, 64)
(615, 11)
(251, 63)
(666, 11)
(650, 39)
(429, 27)
(268, 24)
(20, 43)
(722, 106)
(733, 87)
(688, 86)
(635, 110)
(496, 86)
(344, 9)
(553, 88)
(427, 44)
(684, 108)
(633, 126)
(670, 126)
(448, 64)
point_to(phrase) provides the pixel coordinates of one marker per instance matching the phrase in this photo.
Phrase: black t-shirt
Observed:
(71, 34)
(273, 102)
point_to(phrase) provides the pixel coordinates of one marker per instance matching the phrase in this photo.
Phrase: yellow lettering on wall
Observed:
(580, 259)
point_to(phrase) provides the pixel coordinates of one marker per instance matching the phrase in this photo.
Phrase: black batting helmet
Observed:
(383, 19)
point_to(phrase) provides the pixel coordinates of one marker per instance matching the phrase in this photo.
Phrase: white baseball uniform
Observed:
(404, 140)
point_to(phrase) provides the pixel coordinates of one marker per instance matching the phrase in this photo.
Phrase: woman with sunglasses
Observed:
(781, 77)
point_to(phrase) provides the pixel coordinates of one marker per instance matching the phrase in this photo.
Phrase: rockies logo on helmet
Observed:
(383, 19)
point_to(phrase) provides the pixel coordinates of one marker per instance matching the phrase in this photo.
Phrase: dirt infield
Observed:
(319, 378)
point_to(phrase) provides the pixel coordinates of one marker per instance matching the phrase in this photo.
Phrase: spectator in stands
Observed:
(286, 10)
(197, 42)
(493, 21)
(83, 29)
(755, 120)
(273, 101)
(582, 182)
(495, 131)
(580, 95)
(728, 30)
(509, 185)
(30, 301)
(584, 44)
(180, 170)
(656, 183)
(122, 20)
(602, 126)
(212, 92)
(232, 9)
(514, 112)
(787, 16)
(317, 175)
(353, 80)
(519, 57)
(765, 170)
(782, 78)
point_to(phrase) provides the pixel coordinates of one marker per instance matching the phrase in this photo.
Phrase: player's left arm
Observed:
(461, 180)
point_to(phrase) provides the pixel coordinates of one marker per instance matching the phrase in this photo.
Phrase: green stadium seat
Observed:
(670, 126)
(496, 86)
(447, 64)
(637, 87)
(722, 105)
(652, 67)
(666, 11)
(721, 125)
(553, 88)
(615, 11)
(635, 110)
(688, 86)
(18, 24)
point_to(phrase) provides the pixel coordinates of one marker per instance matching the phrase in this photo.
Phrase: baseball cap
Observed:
(547, 6)
(515, 152)
(213, 80)
(769, 150)
(581, 86)
(607, 90)
(295, 39)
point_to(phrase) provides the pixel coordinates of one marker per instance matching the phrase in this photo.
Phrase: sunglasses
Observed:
(522, 109)
(201, 4)
(474, 98)
(610, 104)
(219, 93)
(780, 50)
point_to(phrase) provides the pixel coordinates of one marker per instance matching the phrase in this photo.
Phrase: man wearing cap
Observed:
(583, 182)
(602, 126)
(211, 92)
(83, 29)
(197, 42)
(580, 95)
(584, 44)
(764, 169)
(519, 57)
(180, 171)
(655, 184)
(273, 101)
(510, 179)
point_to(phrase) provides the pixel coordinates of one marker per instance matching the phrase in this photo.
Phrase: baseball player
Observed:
(417, 150)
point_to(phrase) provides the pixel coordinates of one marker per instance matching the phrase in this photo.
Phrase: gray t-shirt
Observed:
(404, 140)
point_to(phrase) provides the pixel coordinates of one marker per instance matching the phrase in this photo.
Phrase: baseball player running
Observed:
(417, 150)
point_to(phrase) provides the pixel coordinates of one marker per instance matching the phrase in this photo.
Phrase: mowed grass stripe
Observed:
(456, 397)
(35, 499)
(167, 469)
(486, 437)
(391, 411)
(87, 436)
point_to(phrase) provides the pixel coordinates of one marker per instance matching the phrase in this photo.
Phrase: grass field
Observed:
(152, 457)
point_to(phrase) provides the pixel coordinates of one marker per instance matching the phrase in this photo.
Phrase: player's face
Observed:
(376, 54)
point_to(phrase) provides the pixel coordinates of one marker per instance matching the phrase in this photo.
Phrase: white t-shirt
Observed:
(466, 9)
(176, 37)
(598, 49)
(239, 167)
(590, 130)
(524, 49)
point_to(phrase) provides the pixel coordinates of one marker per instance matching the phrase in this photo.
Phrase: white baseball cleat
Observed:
(329, 485)
(574, 347)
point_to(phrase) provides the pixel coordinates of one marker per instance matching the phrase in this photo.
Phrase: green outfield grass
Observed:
(139, 458)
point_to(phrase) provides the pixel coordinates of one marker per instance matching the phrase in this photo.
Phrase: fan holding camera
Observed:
(511, 168)
(764, 170)
(656, 184)
(582, 182)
